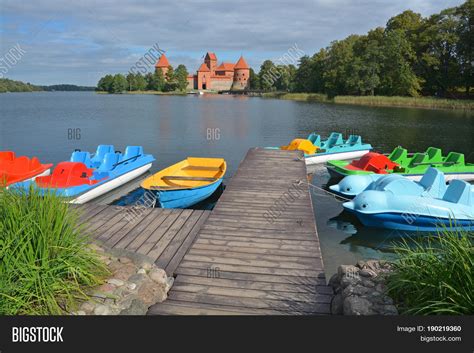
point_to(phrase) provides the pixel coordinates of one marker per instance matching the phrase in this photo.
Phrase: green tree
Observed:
(156, 81)
(465, 45)
(105, 83)
(119, 84)
(254, 80)
(140, 82)
(268, 75)
(303, 77)
(131, 82)
(181, 77)
(169, 77)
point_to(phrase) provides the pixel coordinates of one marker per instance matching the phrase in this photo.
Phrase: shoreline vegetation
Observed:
(378, 101)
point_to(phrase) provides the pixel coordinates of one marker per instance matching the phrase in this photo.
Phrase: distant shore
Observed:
(379, 101)
(172, 93)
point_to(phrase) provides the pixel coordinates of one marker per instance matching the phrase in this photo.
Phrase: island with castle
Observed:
(227, 76)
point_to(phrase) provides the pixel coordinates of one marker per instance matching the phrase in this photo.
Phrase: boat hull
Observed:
(187, 197)
(335, 174)
(114, 183)
(408, 222)
(324, 157)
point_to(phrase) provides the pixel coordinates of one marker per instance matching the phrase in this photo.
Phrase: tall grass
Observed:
(415, 102)
(435, 275)
(45, 264)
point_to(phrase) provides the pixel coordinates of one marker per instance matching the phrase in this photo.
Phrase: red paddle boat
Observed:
(15, 169)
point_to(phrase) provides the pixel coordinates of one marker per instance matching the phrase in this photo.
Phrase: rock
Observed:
(124, 260)
(138, 278)
(124, 271)
(150, 292)
(355, 305)
(372, 265)
(360, 264)
(347, 269)
(106, 288)
(116, 282)
(389, 310)
(131, 286)
(367, 283)
(141, 271)
(137, 307)
(337, 305)
(355, 290)
(146, 265)
(367, 273)
(334, 281)
(87, 307)
(102, 310)
(158, 275)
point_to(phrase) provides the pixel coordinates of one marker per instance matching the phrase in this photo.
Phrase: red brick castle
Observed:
(226, 76)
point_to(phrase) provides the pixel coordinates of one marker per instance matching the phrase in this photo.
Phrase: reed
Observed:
(415, 102)
(45, 263)
(435, 276)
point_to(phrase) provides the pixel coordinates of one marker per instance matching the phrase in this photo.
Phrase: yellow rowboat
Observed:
(187, 182)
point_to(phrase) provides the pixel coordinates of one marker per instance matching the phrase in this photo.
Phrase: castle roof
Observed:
(225, 67)
(203, 68)
(241, 64)
(211, 55)
(162, 61)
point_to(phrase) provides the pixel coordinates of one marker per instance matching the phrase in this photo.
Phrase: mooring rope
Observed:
(326, 191)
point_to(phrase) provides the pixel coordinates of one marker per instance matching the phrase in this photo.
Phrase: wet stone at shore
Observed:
(360, 289)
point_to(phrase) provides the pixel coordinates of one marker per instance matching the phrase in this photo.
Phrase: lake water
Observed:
(51, 125)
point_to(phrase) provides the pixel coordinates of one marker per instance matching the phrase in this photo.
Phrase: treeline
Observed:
(7, 85)
(173, 80)
(67, 87)
(411, 56)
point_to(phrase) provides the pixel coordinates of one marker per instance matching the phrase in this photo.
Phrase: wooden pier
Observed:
(256, 253)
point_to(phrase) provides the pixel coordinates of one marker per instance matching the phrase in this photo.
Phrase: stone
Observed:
(355, 305)
(150, 293)
(355, 290)
(102, 310)
(345, 269)
(372, 265)
(106, 288)
(334, 281)
(138, 278)
(389, 310)
(347, 281)
(360, 264)
(87, 307)
(125, 271)
(146, 265)
(124, 260)
(337, 305)
(367, 273)
(116, 282)
(158, 275)
(137, 307)
(131, 286)
(367, 283)
(142, 271)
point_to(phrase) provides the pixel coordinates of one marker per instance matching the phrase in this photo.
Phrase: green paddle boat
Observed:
(412, 166)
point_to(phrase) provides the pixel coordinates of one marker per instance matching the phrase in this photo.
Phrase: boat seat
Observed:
(315, 139)
(433, 181)
(334, 139)
(398, 155)
(354, 140)
(459, 191)
(454, 158)
(417, 159)
(82, 157)
(109, 162)
(434, 154)
(198, 167)
(100, 153)
(7, 155)
(178, 177)
(132, 151)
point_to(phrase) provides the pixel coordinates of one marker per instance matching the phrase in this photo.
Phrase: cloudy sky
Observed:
(80, 41)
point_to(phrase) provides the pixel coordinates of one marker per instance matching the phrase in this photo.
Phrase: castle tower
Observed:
(162, 64)
(211, 61)
(241, 75)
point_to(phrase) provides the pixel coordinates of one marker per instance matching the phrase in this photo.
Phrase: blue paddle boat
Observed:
(432, 182)
(187, 182)
(335, 147)
(84, 178)
(400, 208)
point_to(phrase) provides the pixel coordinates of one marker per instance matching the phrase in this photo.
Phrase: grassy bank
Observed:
(435, 276)
(173, 93)
(45, 264)
(379, 101)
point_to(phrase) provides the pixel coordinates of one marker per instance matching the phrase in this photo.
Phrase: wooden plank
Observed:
(177, 177)
(138, 229)
(146, 232)
(178, 256)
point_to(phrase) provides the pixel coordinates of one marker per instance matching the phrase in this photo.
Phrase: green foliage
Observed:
(45, 265)
(119, 84)
(181, 77)
(254, 80)
(7, 85)
(412, 55)
(268, 75)
(435, 276)
(156, 81)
